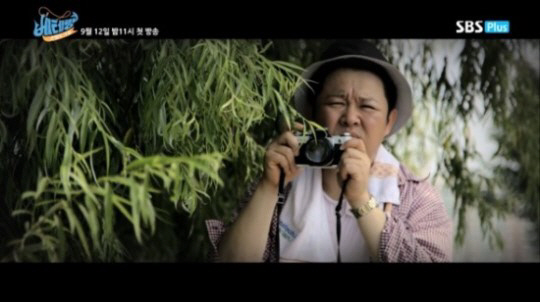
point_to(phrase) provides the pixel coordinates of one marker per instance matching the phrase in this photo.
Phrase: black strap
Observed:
(338, 218)
(280, 203)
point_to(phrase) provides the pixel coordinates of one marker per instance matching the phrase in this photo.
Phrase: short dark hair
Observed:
(319, 77)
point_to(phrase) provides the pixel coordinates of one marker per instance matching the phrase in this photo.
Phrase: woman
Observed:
(388, 215)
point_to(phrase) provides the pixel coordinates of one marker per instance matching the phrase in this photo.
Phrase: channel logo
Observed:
(487, 26)
(497, 27)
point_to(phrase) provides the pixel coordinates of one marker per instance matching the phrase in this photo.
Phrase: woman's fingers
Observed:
(279, 160)
(288, 139)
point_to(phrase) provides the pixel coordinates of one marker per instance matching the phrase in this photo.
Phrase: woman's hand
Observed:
(280, 154)
(355, 163)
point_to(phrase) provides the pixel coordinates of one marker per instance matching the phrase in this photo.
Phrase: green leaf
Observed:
(75, 226)
(135, 209)
(108, 225)
(62, 242)
(50, 138)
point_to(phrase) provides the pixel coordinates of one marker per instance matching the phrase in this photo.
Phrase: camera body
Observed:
(320, 149)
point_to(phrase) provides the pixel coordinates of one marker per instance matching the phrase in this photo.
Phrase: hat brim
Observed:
(404, 104)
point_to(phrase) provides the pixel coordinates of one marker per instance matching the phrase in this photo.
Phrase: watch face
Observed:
(366, 208)
(372, 202)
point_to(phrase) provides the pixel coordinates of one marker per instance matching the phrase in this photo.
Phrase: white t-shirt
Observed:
(353, 247)
(308, 225)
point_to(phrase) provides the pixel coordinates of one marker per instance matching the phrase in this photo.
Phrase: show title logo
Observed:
(53, 27)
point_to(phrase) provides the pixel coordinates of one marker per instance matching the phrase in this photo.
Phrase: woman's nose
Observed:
(351, 117)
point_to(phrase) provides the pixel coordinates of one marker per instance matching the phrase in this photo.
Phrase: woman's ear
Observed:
(391, 121)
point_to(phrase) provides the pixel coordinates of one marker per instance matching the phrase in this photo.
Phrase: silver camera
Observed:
(320, 149)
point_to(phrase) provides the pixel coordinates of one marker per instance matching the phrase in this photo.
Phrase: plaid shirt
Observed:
(417, 230)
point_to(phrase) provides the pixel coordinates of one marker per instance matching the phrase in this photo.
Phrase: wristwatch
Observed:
(366, 208)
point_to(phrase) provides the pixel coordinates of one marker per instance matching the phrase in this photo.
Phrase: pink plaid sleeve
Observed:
(217, 228)
(419, 230)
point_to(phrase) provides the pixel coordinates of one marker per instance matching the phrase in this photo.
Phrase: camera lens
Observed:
(317, 151)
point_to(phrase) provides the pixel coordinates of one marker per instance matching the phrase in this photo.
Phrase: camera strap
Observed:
(280, 203)
(338, 218)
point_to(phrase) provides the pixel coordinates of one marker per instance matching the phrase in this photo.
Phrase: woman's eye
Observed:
(335, 104)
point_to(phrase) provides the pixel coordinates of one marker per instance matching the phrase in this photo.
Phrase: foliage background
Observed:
(115, 150)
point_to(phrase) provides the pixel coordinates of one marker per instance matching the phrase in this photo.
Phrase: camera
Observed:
(319, 149)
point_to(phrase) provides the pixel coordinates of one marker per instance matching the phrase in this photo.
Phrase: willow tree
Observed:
(117, 151)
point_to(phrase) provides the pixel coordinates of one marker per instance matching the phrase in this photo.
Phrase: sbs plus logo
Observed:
(487, 26)
(52, 27)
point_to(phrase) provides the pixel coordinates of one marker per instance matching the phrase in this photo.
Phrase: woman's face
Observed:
(353, 101)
